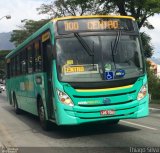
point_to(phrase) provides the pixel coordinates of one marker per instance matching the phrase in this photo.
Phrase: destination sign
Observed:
(80, 69)
(94, 24)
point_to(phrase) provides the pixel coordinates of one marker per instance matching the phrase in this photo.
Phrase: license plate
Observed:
(107, 112)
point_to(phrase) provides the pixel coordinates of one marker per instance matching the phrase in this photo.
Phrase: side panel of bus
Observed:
(30, 78)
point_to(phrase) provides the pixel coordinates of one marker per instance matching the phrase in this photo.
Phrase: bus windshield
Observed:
(74, 64)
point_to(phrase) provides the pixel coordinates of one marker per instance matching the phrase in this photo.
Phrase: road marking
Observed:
(154, 108)
(147, 127)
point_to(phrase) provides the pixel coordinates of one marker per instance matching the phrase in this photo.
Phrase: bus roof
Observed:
(46, 26)
(93, 16)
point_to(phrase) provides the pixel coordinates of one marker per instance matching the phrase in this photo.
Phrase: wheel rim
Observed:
(41, 113)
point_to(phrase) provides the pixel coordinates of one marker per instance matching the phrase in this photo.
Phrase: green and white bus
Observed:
(80, 69)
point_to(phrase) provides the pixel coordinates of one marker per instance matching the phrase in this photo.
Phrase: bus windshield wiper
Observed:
(115, 46)
(86, 47)
(84, 44)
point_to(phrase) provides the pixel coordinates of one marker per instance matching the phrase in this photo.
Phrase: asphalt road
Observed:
(23, 131)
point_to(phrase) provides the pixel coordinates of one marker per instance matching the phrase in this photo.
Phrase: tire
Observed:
(42, 116)
(113, 122)
(15, 105)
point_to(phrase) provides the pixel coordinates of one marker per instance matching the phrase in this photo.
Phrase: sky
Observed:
(19, 10)
(154, 34)
(26, 9)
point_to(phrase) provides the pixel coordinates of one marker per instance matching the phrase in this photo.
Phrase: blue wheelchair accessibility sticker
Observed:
(109, 75)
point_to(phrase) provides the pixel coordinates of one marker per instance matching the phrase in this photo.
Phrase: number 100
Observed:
(69, 26)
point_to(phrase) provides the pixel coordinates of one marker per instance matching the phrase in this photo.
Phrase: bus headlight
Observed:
(64, 98)
(142, 93)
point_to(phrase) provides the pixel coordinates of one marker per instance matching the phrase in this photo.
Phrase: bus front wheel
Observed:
(42, 117)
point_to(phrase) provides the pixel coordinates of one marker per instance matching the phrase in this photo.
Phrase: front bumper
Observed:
(67, 115)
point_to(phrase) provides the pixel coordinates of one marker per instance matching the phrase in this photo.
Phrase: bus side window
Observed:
(18, 64)
(47, 55)
(8, 70)
(12, 69)
(15, 65)
(38, 57)
(23, 61)
(30, 59)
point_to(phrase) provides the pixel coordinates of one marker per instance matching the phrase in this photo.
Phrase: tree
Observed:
(147, 46)
(3, 53)
(30, 26)
(61, 8)
(141, 10)
(153, 82)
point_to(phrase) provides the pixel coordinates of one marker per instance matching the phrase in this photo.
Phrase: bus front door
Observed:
(47, 64)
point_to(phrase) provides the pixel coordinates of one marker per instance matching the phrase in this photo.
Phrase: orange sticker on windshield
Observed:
(73, 69)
